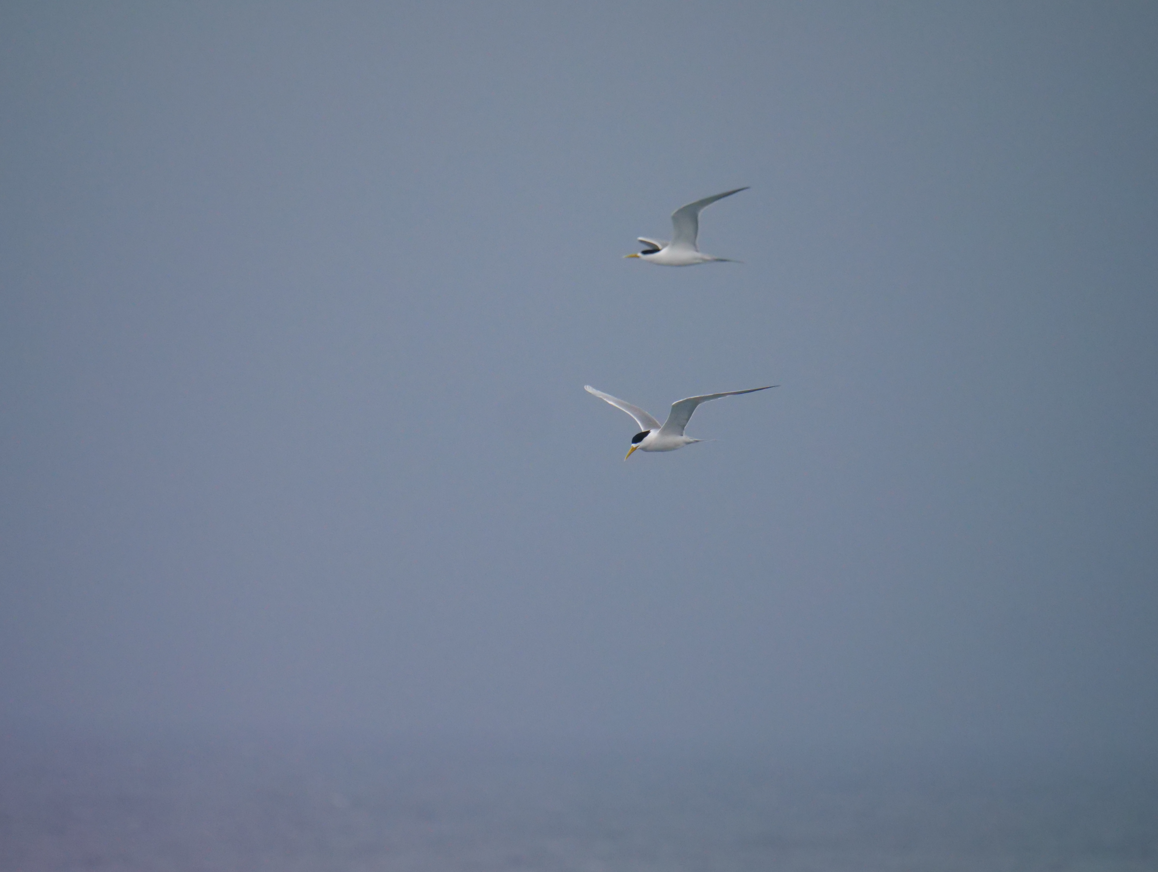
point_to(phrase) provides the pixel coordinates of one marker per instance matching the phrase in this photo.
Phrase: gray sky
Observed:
(300, 299)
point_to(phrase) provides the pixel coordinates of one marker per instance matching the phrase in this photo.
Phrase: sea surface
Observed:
(251, 804)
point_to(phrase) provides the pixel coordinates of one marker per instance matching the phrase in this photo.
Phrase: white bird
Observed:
(670, 436)
(682, 250)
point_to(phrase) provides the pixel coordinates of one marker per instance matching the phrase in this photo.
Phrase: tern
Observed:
(670, 436)
(682, 250)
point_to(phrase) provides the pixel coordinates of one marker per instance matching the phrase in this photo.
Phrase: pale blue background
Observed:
(299, 301)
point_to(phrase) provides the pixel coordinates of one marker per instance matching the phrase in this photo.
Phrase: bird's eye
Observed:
(639, 437)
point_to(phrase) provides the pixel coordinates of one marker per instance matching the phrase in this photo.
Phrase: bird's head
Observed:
(649, 247)
(636, 440)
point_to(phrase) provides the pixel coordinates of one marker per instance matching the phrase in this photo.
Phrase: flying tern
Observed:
(682, 250)
(670, 436)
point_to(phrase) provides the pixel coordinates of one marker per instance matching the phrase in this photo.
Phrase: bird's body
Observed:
(670, 435)
(682, 250)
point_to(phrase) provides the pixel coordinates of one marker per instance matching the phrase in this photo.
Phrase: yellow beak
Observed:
(630, 450)
(631, 255)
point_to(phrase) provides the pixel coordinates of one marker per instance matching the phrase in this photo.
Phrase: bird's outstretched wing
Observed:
(685, 220)
(642, 418)
(651, 244)
(681, 410)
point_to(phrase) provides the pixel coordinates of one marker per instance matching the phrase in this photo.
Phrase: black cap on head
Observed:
(639, 437)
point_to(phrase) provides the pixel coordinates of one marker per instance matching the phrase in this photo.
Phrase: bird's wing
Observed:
(642, 418)
(685, 220)
(681, 410)
(651, 243)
